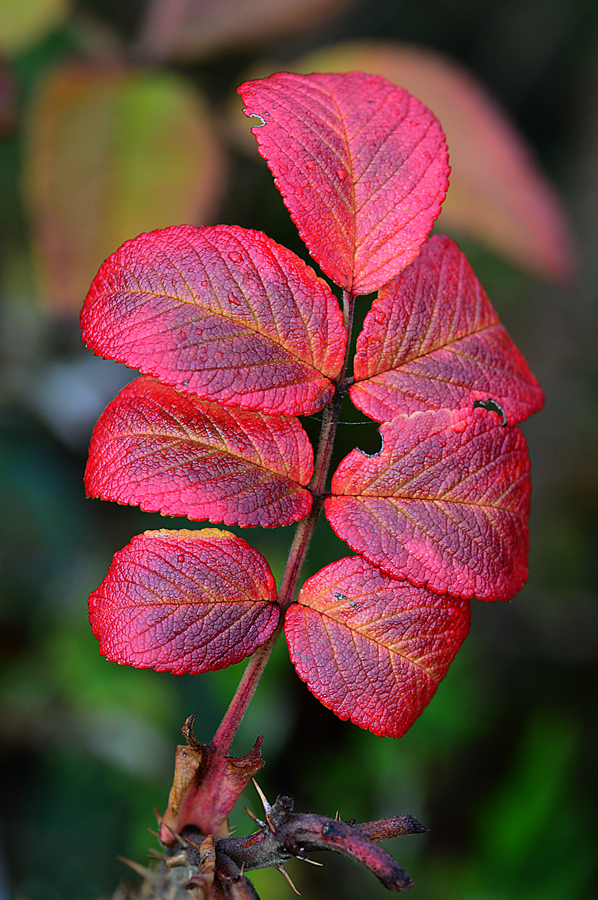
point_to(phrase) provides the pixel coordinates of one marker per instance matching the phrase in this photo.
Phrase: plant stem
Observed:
(297, 554)
(244, 693)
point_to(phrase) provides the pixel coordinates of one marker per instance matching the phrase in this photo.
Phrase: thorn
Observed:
(337, 816)
(179, 860)
(181, 841)
(154, 833)
(284, 872)
(266, 805)
(255, 818)
(189, 841)
(141, 870)
(155, 854)
(188, 732)
(312, 862)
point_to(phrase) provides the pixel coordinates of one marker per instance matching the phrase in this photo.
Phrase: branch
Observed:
(286, 834)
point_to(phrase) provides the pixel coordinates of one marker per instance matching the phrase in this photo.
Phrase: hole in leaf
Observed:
(491, 406)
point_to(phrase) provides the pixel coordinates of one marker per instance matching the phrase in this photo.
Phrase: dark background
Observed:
(502, 765)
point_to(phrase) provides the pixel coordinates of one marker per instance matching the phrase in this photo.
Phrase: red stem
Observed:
(297, 554)
(245, 691)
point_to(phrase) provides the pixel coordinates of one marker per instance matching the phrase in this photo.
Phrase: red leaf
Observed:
(171, 453)
(184, 602)
(371, 648)
(444, 504)
(362, 167)
(220, 312)
(432, 340)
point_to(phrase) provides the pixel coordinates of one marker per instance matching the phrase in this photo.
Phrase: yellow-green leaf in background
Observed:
(23, 22)
(112, 153)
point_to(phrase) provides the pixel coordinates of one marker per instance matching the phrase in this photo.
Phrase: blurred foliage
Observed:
(501, 766)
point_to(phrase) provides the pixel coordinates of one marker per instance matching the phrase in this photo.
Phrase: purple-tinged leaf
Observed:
(361, 164)
(169, 452)
(372, 648)
(223, 313)
(432, 340)
(184, 602)
(444, 504)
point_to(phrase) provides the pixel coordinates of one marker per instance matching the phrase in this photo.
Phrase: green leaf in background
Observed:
(112, 153)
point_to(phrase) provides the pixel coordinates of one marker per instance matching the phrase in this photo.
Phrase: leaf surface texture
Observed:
(372, 648)
(362, 167)
(433, 340)
(169, 452)
(220, 312)
(444, 504)
(184, 602)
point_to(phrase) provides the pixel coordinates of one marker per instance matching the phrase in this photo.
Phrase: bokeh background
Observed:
(119, 117)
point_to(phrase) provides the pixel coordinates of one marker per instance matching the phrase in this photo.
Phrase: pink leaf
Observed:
(361, 165)
(169, 452)
(498, 194)
(371, 648)
(433, 340)
(184, 602)
(444, 504)
(220, 312)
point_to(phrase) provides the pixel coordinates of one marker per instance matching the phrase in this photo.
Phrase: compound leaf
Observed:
(220, 312)
(184, 602)
(371, 648)
(361, 164)
(444, 504)
(172, 453)
(432, 340)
